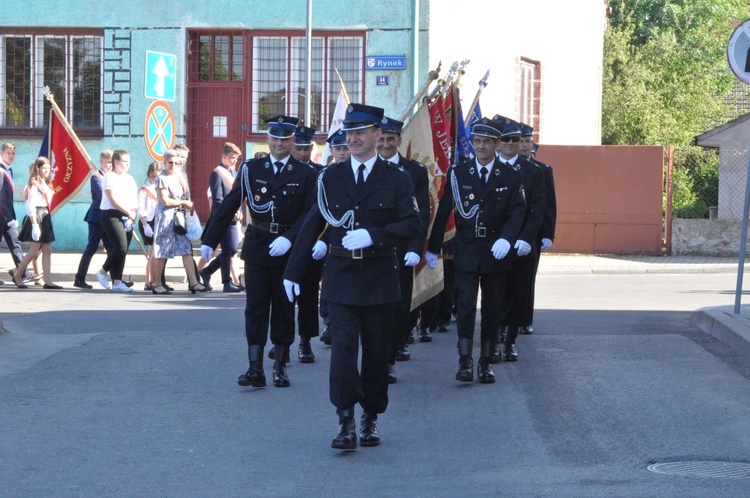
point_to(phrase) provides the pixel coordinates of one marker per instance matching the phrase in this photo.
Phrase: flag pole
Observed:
(460, 71)
(482, 84)
(48, 95)
(432, 76)
(140, 244)
(343, 88)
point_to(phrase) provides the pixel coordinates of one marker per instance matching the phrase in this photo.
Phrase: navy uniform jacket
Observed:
(502, 208)
(7, 211)
(94, 213)
(386, 209)
(292, 192)
(536, 199)
(419, 179)
(549, 220)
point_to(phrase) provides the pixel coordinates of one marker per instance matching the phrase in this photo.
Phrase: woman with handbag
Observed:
(147, 202)
(119, 211)
(37, 226)
(170, 233)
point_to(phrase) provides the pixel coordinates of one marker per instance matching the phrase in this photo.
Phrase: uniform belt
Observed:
(478, 232)
(367, 252)
(270, 227)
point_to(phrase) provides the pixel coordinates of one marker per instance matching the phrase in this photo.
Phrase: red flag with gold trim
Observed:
(71, 165)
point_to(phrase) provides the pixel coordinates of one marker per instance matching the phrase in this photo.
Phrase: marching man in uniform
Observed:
(370, 209)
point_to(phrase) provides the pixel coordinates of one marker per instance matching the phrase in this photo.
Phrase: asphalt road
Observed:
(136, 395)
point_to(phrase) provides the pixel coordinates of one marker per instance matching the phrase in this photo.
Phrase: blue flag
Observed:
(463, 145)
(476, 115)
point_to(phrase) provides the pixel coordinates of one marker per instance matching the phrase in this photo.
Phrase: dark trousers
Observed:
(114, 229)
(10, 234)
(446, 298)
(266, 301)
(229, 243)
(349, 324)
(519, 292)
(307, 301)
(96, 235)
(403, 319)
(468, 284)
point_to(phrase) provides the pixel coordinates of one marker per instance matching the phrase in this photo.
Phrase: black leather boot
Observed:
(509, 350)
(403, 353)
(347, 436)
(368, 430)
(280, 378)
(497, 355)
(465, 362)
(325, 336)
(304, 351)
(484, 367)
(254, 377)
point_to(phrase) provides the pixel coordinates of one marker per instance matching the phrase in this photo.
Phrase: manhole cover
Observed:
(702, 469)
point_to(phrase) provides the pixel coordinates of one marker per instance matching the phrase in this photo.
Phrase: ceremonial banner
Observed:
(463, 141)
(338, 117)
(71, 165)
(417, 144)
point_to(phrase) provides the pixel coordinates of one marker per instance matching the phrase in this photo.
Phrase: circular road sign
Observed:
(159, 129)
(738, 51)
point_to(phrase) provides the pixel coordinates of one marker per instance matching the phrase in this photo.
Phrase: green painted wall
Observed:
(161, 26)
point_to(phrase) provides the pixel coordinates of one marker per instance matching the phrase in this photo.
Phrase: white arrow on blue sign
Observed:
(160, 76)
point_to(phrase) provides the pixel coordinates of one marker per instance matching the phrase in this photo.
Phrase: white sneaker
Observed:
(103, 280)
(121, 287)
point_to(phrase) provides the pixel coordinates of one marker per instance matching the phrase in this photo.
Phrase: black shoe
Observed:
(205, 277)
(325, 336)
(51, 287)
(230, 287)
(392, 377)
(403, 353)
(527, 330)
(169, 288)
(304, 351)
(128, 283)
(425, 336)
(497, 354)
(280, 377)
(410, 339)
(368, 430)
(443, 327)
(272, 353)
(347, 436)
(254, 377)
(484, 371)
(509, 353)
(82, 285)
(465, 369)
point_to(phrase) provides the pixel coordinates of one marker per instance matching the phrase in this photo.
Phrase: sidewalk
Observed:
(720, 322)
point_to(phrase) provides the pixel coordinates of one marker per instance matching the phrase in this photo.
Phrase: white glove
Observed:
(500, 248)
(148, 231)
(356, 239)
(546, 244)
(12, 224)
(319, 251)
(128, 224)
(292, 289)
(279, 247)
(36, 232)
(411, 259)
(430, 259)
(522, 247)
(207, 253)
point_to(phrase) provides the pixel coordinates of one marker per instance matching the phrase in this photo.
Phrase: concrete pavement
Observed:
(720, 322)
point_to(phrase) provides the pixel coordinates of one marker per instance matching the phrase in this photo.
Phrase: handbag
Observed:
(180, 223)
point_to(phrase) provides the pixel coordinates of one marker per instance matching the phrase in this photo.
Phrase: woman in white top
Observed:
(147, 202)
(37, 226)
(119, 211)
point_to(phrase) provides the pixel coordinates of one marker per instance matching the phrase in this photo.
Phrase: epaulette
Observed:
(396, 166)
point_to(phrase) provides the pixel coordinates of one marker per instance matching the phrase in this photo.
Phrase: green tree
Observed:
(665, 76)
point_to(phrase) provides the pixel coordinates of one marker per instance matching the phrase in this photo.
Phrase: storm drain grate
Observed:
(702, 469)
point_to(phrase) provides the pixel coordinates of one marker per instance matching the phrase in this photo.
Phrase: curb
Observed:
(724, 326)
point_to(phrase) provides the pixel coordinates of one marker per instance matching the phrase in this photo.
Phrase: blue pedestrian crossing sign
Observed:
(161, 76)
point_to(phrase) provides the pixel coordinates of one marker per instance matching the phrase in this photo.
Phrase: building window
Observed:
(68, 63)
(279, 73)
(529, 97)
(220, 57)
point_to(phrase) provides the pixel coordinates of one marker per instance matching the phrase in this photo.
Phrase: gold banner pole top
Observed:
(459, 72)
(432, 76)
(482, 84)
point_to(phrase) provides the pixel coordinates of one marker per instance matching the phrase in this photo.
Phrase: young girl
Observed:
(37, 227)
(147, 202)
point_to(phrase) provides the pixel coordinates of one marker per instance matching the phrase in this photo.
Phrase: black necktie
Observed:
(483, 174)
(279, 166)
(360, 176)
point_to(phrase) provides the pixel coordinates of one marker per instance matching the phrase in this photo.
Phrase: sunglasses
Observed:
(510, 139)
